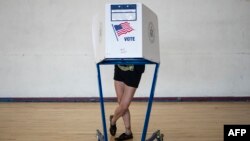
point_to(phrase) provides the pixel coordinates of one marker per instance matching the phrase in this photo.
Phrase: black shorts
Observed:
(130, 78)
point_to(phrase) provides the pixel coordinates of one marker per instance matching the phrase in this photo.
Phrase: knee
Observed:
(124, 108)
(119, 101)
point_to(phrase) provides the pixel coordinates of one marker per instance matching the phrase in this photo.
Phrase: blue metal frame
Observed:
(151, 98)
(102, 102)
(135, 61)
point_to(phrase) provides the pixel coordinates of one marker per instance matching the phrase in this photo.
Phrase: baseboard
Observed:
(113, 99)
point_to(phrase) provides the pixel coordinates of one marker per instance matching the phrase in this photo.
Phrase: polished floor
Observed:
(178, 121)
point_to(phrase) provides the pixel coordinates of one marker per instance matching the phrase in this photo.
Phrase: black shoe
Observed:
(112, 128)
(124, 137)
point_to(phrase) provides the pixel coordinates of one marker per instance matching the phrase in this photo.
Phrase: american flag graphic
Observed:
(123, 28)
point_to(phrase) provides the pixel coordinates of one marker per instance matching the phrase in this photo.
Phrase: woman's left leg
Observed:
(124, 107)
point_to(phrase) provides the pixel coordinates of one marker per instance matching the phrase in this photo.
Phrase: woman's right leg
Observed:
(124, 94)
(119, 88)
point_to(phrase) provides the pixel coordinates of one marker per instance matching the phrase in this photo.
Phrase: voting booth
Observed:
(126, 34)
(126, 31)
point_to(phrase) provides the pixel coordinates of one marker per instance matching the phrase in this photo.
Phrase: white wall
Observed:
(46, 49)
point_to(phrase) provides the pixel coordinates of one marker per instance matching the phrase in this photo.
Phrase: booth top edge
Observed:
(124, 3)
(127, 3)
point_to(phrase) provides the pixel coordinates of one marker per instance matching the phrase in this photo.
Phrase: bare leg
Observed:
(119, 88)
(127, 122)
(124, 100)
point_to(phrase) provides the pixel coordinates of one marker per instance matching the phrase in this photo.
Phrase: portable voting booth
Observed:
(126, 34)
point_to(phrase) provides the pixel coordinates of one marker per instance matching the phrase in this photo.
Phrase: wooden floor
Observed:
(178, 121)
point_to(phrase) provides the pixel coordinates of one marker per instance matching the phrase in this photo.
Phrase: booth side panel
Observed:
(98, 35)
(140, 32)
(150, 34)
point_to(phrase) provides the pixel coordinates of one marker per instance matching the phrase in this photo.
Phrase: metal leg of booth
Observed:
(102, 103)
(156, 136)
(150, 101)
(99, 136)
(104, 137)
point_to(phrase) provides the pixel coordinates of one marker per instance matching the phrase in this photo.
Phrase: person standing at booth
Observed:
(126, 81)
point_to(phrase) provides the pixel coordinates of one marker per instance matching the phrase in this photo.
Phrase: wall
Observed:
(46, 49)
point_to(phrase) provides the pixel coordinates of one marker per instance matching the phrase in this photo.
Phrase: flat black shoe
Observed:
(124, 137)
(112, 128)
